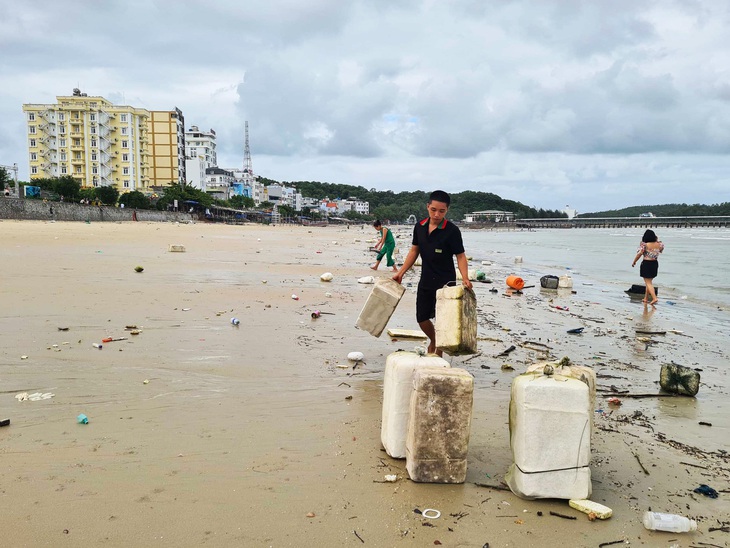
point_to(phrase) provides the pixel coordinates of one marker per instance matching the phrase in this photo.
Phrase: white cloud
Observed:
(595, 104)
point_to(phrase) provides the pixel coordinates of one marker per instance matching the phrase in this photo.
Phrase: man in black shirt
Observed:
(437, 241)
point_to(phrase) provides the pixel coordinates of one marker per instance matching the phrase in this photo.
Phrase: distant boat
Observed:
(306, 222)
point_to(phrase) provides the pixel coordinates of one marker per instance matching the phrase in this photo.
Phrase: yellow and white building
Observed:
(102, 144)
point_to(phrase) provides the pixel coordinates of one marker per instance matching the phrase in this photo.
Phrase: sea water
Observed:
(694, 269)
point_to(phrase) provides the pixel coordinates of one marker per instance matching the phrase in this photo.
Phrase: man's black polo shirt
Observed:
(437, 253)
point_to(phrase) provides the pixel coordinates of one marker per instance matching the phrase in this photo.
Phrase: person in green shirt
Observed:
(386, 245)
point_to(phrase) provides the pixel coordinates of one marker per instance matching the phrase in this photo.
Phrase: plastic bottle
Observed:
(656, 521)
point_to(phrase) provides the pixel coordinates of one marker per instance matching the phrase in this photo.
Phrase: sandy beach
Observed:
(202, 432)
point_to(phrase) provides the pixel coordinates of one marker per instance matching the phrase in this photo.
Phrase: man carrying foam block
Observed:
(437, 241)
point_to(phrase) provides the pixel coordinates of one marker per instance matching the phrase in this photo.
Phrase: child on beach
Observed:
(386, 245)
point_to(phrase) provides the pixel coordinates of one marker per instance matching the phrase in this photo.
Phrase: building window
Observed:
(94, 170)
(93, 156)
(126, 183)
(34, 170)
(92, 117)
(93, 129)
(125, 144)
(125, 171)
(31, 129)
(33, 156)
(63, 156)
(77, 142)
(62, 129)
(75, 128)
(61, 116)
(77, 156)
(124, 131)
(123, 118)
(32, 142)
(125, 157)
(62, 142)
(76, 115)
(31, 116)
(96, 183)
(63, 170)
(93, 142)
(78, 169)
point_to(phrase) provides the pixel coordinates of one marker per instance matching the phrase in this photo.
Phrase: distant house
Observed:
(489, 216)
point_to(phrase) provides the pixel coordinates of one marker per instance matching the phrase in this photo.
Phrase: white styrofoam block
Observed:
(397, 389)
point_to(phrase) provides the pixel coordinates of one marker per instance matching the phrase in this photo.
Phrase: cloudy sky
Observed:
(597, 103)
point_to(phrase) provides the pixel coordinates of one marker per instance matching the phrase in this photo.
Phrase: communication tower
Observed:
(248, 177)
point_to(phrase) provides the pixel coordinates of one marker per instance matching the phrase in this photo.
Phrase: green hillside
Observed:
(398, 206)
(667, 210)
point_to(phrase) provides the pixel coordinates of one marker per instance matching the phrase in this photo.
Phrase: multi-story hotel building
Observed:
(200, 154)
(102, 144)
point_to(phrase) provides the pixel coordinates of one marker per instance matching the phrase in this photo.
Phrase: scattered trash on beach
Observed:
(139, 269)
(561, 307)
(97, 345)
(328, 295)
(176, 248)
(391, 478)
(24, 357)
(430, 513)
(311, 514)
(146, 381)
(63, 328)
(113, 339)
(356, 356)
(614, 401)
(366, 280)
(506, 351)
(706, 490)
(235, 321)
(316, 314)
(576, 331)
(295, 297)
(36, 396)
(82, 419)
(326, 277)
(591, 508)
(679, 379)
(4, 422)
(508, 367)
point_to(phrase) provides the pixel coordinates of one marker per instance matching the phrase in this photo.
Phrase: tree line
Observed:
(666, 210)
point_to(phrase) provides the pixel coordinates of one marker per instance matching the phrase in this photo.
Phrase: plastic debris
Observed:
(430, 513)
(366, 280)
(5, 422)
(316, 314)
(82, 419)
(97, 345)
(235, 321)
(614, 401)
(328, 295)
(589, 507)
(23, 357)
(295, 297)
(706, 490)
(326, 277)
(356, 356)
(391, 477)
(679, 379)
(576, 331)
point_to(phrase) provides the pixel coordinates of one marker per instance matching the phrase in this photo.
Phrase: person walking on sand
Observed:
(437, 241)
(649, 250)
(386, 246)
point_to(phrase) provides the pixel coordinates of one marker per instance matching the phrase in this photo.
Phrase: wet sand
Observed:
(244, 435)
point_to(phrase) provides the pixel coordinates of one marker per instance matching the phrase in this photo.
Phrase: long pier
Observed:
(626, 222)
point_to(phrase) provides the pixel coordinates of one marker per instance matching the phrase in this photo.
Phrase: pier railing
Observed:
(626, 222)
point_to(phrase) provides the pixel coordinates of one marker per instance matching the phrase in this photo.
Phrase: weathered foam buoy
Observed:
(356, 356)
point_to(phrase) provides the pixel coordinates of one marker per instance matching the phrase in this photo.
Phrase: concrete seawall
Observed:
(36, 210)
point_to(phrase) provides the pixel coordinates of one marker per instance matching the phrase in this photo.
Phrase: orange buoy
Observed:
(515, 282)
